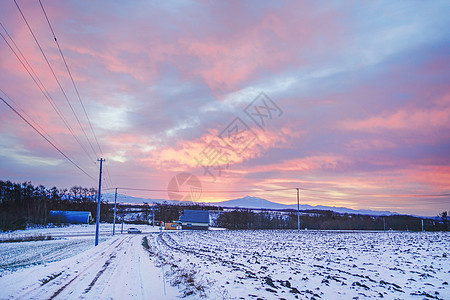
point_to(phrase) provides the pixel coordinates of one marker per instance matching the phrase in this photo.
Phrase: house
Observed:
(195, 219)
(72, 217)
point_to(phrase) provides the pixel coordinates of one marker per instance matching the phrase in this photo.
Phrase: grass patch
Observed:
(49, 278)
(19, 239)
(187, 277)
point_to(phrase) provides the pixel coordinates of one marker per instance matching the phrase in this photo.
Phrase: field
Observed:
(14, 256)
(291, 264)
(272, 264)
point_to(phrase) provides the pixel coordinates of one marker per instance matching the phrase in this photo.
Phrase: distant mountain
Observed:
(247, 202)
(255, 202)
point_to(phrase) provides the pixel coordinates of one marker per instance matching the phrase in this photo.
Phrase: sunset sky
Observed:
(356, 94)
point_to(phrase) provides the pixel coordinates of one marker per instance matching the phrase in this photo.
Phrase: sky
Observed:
(347, 100)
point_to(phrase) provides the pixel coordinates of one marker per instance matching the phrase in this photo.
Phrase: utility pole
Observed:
(101, 160)
(115, 205)
(298, 209)
(123, 216)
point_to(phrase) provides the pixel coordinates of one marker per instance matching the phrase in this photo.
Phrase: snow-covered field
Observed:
(75, 230)
(308, 264)
(272, 264)
(15, 256)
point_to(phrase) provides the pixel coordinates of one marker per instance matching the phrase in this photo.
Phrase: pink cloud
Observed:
(369, 144)
(409, 119)
(434, 178)
(303, 165)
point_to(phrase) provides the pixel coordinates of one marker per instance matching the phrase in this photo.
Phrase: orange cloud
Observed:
(190, 154)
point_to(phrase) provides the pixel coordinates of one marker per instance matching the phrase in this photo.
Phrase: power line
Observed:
(53, 72)
(36, 123)
(107, 179)
(379, 195)
(77, 92)
(286, 189)
(43, 90)
(32, 70)
(110, 183)
(48, 141)
(23, 60)
(71, 78)
(210, 191)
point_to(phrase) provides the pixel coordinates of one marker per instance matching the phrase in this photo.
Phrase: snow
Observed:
(118, 268)
(14, 256)
(66, 242)
(327, 265)
(223, 264)
(74, 230)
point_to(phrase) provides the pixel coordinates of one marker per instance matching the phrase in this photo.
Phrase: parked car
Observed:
(134, 230)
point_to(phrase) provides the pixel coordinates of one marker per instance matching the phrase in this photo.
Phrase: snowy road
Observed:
(119, 268)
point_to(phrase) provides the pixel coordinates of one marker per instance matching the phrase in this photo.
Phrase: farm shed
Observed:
(72, 217)
(171, 226)
(195, 219)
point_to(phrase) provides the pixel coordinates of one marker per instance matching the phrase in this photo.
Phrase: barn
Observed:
(71, 217)
(195, 219)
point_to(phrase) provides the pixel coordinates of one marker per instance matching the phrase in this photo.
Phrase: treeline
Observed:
(327, 220)
(23, 204)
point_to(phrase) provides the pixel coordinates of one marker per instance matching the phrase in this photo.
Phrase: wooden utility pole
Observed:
(101, 160)
(298, 209)
(115, 207)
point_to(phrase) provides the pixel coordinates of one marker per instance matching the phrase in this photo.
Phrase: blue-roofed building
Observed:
(71, 217)
(195, 219)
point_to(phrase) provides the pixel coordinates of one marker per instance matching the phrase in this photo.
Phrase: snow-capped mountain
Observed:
(255, 202)
(248, 202)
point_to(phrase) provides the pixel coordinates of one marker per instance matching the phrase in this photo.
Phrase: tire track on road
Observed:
(83, 273)
(117, 263)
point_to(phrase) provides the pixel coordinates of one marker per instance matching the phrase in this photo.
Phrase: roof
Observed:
(72, 213)
(62, 216)
(195, 216)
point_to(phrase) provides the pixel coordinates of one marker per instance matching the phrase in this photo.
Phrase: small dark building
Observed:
(195, 219)
(71, 217)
